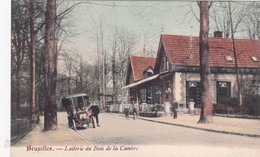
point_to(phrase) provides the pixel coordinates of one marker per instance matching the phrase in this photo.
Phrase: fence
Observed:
(19, 128)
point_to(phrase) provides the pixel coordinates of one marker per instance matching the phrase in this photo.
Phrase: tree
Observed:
(80, 71)
(33, 110)
(148, 38)
(235, 53)
(220, 15)
(123, 43)
(19, 40)
(69, 62)
(27, 23)
(207, 106)
(113, 62)
(127, 42)
(99, 36)
(50, 67)
(252, 21)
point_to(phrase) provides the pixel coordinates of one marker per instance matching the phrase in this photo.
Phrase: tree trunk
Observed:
(104, 79)
(68, 86)
(33, 110)
(18, 92)
(206, 107)
(80, 75)
(50, 67)
(235, 55)
(113, 74)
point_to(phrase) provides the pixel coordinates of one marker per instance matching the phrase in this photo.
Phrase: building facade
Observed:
(176, 72)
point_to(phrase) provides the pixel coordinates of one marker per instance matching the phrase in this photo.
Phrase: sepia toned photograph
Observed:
(134, 78)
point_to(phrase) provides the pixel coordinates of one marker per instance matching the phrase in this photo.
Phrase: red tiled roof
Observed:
(139, 64)
(177, 48)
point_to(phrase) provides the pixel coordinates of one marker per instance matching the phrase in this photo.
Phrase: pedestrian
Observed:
(134, 112)
(67, 104)
(173, 108)
(156, 110)
(94, 109)
(126, 111)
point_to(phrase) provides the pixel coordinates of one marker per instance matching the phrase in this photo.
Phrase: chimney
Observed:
(217, 34)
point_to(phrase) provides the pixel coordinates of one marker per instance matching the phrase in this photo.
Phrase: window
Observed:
(149, 95)
(193, 93)
(166, 62)
(148, 72)
(255, 59)
(223, 91)
(256, 88)
(167, 90)
(228, 58)
(157, 94)
(143, 95)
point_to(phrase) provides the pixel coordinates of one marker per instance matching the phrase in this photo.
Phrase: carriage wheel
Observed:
(74, 124)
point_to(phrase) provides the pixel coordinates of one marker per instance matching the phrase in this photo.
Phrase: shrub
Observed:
(228, 106)
(251, 105)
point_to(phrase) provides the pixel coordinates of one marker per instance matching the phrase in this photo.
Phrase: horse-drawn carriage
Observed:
(76, 107)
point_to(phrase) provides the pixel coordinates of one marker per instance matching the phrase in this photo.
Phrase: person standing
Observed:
(134, 112)
(173, 108)
(67, 104)
(94, 114)
(126, 111)
(156, 110)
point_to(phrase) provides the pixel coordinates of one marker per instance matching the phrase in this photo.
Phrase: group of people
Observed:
(93, 111)
(127, 111)
(81, 113)
(155, 109)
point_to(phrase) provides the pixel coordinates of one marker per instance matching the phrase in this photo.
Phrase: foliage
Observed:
(251, 105)
(20, 54)
(228, 106)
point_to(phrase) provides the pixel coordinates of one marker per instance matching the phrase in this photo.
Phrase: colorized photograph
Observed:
(134, 78)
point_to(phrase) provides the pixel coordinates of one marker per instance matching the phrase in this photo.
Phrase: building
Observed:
(139, 69)
(176, 71)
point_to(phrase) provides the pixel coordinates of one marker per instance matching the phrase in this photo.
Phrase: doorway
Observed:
(193, 93)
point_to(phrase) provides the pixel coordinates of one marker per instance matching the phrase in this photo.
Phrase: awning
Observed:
(165, 74)
(141, 81)
(76, 95)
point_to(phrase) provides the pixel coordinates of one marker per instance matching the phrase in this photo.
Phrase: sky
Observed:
(138, 17)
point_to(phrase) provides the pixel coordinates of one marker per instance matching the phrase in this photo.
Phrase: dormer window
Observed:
(229, 58)
(255, 59)
(148, 72)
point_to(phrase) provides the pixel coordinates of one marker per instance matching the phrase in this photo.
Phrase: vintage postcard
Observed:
(133, 78)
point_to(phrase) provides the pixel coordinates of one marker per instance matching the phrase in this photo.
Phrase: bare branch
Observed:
(194, 13)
